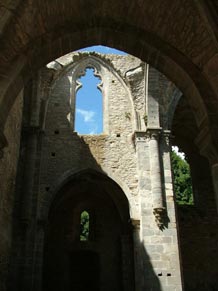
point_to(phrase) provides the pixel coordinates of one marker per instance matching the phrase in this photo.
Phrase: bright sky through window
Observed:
(89, 113)
(89, 106)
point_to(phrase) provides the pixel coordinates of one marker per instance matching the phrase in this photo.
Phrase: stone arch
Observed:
(110, 228)
(169, 61)
(68, 176)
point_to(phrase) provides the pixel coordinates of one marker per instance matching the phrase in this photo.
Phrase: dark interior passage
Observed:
(97, 264)
(85, 271)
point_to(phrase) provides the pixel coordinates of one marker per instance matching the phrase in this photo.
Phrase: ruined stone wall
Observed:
(8, 170)
(112, 151)
(133, 150)
(124, 151)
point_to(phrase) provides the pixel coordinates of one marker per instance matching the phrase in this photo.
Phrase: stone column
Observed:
(155, 174)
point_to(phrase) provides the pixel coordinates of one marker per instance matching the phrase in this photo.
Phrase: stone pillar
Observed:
(158, 265)
(24, 268)
(155, 174)
(27, 192)
(143, 168)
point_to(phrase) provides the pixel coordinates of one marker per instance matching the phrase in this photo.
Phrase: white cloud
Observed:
(86, 114)
(180, 154)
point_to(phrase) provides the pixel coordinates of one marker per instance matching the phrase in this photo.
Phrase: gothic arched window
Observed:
(89, 104)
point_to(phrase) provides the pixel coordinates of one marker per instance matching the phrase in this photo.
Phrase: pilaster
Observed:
(158, 231)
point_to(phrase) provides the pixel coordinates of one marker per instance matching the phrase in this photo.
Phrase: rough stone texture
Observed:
(8, 170)
(133, 151)
(129, 163)
(177, 37)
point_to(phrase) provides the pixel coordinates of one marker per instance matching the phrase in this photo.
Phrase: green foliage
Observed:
(182, 180)
(84, 226)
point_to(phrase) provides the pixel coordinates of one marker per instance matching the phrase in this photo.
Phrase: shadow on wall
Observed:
(45, 156)
(146, 277)
(82, 182)
(26, 267)
(198, 235)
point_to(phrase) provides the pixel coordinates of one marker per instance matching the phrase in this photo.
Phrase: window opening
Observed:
(182, 178)
(84, 226)
(89, 105)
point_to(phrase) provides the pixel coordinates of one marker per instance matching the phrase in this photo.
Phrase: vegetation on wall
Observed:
(182, 180)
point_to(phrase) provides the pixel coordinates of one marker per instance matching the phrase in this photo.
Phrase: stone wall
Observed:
(198, 232)
(112, 152)
(125, 152)
(8, 170)
(133, 151)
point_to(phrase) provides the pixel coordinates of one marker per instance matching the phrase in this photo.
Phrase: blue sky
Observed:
(89, 99)
(102, 49)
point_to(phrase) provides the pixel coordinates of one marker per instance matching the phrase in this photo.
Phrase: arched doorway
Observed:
(97, 260)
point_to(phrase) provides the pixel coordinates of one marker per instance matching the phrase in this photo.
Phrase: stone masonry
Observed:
(133, 152)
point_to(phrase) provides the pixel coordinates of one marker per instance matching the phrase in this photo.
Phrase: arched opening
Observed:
(65, 272)
(182, 47)
(75, 259)
(89, 104)
(197, 231)
(182, 179)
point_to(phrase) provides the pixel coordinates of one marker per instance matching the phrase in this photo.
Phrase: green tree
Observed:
(182, 180)
(84, 226)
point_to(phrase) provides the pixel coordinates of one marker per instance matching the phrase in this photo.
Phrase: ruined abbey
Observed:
(53, 178)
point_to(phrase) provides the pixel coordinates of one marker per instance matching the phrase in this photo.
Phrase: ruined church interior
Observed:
(97, 210)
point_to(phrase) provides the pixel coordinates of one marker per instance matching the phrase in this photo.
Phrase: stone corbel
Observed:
(3, 144)
(166, 134)
(160, 214)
